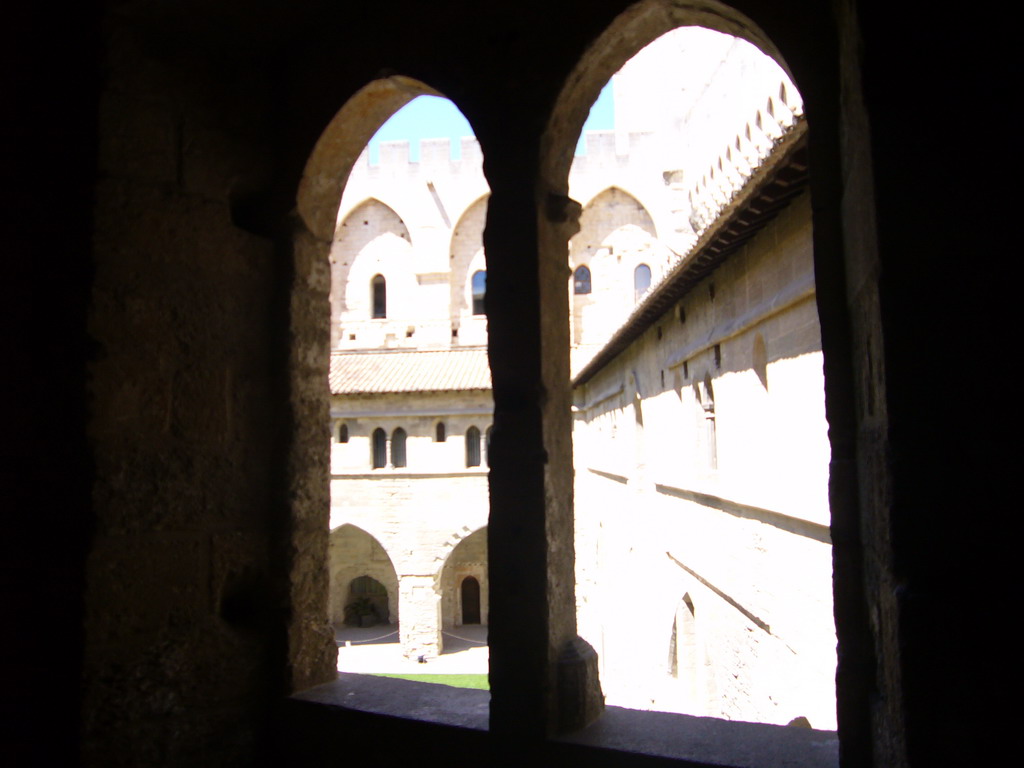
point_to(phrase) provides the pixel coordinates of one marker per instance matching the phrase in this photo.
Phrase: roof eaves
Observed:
(780, 178)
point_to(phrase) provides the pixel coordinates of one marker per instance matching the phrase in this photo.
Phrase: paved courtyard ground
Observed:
(376, 649)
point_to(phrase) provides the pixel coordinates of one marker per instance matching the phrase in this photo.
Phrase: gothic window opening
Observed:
(472, 447)
(641, 281)
(581, 280)
(479, 291)
(379, 291)
(398, 448)
(440, 432)
(380, 448)
(342, 433)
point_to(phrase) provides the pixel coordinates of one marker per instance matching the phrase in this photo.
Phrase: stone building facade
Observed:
(703, 552)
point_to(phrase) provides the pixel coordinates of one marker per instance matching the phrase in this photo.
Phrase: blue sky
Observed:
(432, 117)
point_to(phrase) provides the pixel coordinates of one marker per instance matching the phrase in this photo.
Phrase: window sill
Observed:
(635, 737)
(427, 702)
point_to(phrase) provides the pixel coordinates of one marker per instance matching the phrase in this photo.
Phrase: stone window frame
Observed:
(526, 673)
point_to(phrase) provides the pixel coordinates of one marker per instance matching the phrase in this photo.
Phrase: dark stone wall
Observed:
(165, 465)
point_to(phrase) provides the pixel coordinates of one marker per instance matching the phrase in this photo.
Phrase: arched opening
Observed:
(468, 284)
(394, 360)
(472, 447)
(464, 582)
(581, 281)
(708, 138)
(367, 602)
(616, 234)
(479, 291)
(379, 449)
(470, 600)
(379, 292)
(641, 281)
(398, 438)
(363, 583)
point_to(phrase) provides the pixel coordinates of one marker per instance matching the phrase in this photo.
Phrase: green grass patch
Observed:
(479, 682)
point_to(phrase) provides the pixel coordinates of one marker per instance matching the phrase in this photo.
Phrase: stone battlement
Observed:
(435, 154)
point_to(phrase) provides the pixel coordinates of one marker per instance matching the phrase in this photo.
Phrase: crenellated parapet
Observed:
(780, 114)
(603, 148)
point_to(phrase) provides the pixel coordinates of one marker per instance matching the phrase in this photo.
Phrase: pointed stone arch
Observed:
(466, 256)
(371, 240)
(354, 553)
(465, 557)
(341, 144)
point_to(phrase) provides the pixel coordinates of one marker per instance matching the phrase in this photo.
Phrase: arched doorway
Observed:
(367, 602)
(464, 584)
(470, 600)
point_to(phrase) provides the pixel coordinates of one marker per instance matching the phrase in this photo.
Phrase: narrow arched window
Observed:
(479, 291)
(440, 433)
(487, 445)
(379, 293)
(342, 435)
(472, 447)
(641, 281)
(398, 448)
(581, 280)
(380, 448)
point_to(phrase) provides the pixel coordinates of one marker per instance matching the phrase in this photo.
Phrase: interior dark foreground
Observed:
(165, 300)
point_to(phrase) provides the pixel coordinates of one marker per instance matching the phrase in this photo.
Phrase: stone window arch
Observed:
(440, 432)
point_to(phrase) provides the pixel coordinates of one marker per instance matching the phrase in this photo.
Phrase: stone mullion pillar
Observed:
(516, 535)
(543, 677)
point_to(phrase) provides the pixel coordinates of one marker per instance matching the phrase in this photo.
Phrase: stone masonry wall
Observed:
(730, 520)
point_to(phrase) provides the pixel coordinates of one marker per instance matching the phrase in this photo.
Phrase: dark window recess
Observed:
(472, 447)
(581, 280)
(398, 448)
(379, 291)
(380, 448)
(479, 291)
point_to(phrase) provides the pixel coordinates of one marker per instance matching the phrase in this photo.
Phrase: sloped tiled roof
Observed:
(380, 371)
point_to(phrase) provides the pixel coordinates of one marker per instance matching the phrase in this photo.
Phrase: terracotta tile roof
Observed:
(442, 370)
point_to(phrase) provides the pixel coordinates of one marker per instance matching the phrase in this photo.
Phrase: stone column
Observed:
(419, 600)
